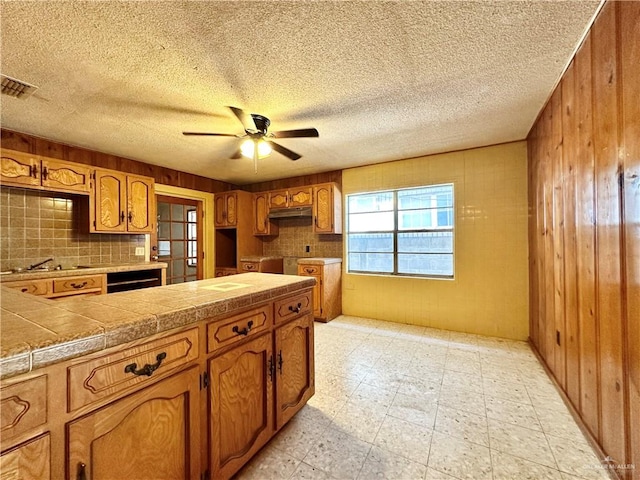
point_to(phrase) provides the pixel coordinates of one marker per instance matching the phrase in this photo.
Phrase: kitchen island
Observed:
(180, 381)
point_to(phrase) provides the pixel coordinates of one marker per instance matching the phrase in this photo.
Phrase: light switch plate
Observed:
(139, 251)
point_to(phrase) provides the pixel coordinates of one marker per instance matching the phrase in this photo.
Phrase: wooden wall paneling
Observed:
(585, 242)
(532, 175)
(557, 183)
(569, 153)
(541, 235)
(629, 69)
(303, 180)
(608, 227)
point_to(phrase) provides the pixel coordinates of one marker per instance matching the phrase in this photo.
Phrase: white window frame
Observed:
(397, 231)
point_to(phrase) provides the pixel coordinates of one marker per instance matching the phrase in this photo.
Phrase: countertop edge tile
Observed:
(15, 365)
(56, 353)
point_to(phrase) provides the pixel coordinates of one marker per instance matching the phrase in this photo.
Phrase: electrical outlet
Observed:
(139, 251)
(307, 248)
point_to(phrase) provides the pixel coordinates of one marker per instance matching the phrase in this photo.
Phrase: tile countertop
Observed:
(81, 270)
(37, 332)
(318, 261)
(259, 258)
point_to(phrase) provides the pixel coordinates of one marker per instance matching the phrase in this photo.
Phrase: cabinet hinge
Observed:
(558, 337)
(205, 475)
(204, 380)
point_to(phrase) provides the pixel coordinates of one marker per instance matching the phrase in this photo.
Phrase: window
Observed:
(401, 232)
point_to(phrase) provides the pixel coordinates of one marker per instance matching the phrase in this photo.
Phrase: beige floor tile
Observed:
(412, 385)
(338, 454)
(406, 439)
(559, 424)
(382, 464)
(359, 421)
(520, 442)
(452, 379)
(420, 410)
(463, 399)
(464, 425)
(336, 385)
(461, 459)
(307, 472)
(521, 414)
(437, 475)
(513, 391)
(507, 467)
(270, 463)
(577, 459)
(368, 396)
(327, 404)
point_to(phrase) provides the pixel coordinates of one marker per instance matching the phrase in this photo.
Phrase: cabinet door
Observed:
(231, 209)
(109, 198)
(64, 176)
(295, 378)
(279, 199)
(323, 209)
(314, 271)
(241, 419)
(20, 169)
(219, 210)
(140, 204)
(261, 223)
(300, 197)
(31, 460)
(148, 435)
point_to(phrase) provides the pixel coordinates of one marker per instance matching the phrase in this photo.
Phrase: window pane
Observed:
(426, 264)
(177, 213)
(163, 230)
(178, 249)
(371, 262)
(425, 242)
(370, 222)
(164, 248)
(163, 211)
(371, 242)
(178, 267)
(371, 202)
(177, 231)
(431, 218)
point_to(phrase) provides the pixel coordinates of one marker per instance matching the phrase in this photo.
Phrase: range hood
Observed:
(290, 212)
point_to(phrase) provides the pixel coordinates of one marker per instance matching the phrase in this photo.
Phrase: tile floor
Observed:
(401, 402)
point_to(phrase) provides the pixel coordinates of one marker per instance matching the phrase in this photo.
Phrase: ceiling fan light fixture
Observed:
(249, 145)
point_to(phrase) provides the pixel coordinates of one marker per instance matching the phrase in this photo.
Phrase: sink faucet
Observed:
(36, 265)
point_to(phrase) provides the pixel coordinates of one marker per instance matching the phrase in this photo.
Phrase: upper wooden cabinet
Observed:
(292, 197)
(32, 171)
(122, 203)
(262, 225)
(327, 208)
(226, 209)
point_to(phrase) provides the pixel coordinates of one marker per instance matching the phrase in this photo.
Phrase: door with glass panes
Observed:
(179, 239)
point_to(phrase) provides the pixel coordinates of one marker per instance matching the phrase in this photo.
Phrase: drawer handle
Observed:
(280, 362)
(78, 285)
(250, 267)
(310, 270)
(244, 331)
(295, 309)
(25, 289)
(147, 369)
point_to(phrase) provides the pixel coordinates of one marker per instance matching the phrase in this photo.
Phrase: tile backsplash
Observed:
(38, 225)
(295, 234)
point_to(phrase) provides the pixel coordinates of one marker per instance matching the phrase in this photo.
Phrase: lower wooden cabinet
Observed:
(28, 461)
(225, 271)
(147, 435)
(327, 293)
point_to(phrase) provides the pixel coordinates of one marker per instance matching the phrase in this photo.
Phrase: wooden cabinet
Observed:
(262, 264)
(226, 209)
(32, 171)
(225, 271)
(292, 197)
(241, 416)
(122, 203)
(262, 225)
(62, 287)
(327, 208)
(327, 293)
(28, 461)
(152, 434)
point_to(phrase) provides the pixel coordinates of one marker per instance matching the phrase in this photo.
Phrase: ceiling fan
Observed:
(258, 141)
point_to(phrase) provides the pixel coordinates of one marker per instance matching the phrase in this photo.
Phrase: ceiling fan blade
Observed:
(245, 119)
(303, 132)
(284, 151)
(210, 134)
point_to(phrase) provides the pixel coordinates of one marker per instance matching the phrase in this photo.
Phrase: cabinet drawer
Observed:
(116, 372)
(34, 287)
(23, 406)
(290, 307)
(250, 266)
(308, 270)
(77, 284)
(234, 329)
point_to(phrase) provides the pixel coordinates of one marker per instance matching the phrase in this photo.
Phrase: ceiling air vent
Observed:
(16, 88)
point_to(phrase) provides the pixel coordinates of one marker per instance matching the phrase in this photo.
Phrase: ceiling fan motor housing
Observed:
(262, 123)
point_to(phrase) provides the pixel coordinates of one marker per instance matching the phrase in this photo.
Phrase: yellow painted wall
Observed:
(489, 294)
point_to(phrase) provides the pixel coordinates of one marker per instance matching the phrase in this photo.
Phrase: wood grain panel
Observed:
(29, 461)
(629, 68)
(569, 151)
(285, 183)
(23, 406)
(608, 221)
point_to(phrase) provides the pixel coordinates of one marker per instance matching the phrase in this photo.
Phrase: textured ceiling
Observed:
(379, 80)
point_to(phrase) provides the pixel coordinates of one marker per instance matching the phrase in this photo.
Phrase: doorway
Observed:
(179, 238)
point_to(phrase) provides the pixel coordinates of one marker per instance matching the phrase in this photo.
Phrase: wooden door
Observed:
(261, 223)
(295, 380)
(30, 460)
(140, 204)
(219, 216)
(148, 435)
(109, 198)
(279, 199)
(64, 176)
(241, 396)
(20, 169)
(231, 209)
(300, 197)
(323, 209)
